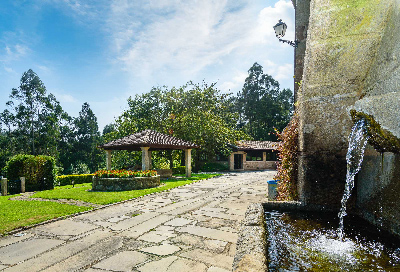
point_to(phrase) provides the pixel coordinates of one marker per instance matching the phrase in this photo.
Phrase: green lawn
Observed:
(15, 214)
(82, 191)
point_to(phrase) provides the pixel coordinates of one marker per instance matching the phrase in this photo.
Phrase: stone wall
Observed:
(259, 165)
(124, 184)
(351, 62)
(342, 46)
(164, 173)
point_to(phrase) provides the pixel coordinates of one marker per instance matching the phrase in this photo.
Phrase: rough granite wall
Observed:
(351, 61)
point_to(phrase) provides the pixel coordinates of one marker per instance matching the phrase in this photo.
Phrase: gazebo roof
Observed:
(256, 145)
(148, 138)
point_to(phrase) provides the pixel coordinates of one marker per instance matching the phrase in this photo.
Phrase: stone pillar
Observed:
(108, 161)
(302, 14)
(232, 162)
(150, 162)
(188, 162)
(3, 186)
(145, 158)
(22, 184)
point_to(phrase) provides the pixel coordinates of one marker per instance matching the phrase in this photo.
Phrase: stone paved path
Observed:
(190, 228)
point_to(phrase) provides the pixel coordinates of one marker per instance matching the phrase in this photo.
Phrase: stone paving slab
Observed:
(60, 253)
(217, 269)
(146, 226)
(161, 250)
(88, 256)
(178, 222)
(192, 228)
(133, 221)
(66, 228)
(18, 252)
(210, 233)
(8, 240)
(122, 261)
(211, 258)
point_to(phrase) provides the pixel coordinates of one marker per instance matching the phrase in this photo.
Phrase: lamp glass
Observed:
(280, 29)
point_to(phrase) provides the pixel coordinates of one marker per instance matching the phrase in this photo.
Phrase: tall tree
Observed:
(262, 105)
(87, 137)
(37, 116)
(193, 112)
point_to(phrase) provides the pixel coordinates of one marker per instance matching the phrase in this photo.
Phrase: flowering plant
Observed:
(124, 173)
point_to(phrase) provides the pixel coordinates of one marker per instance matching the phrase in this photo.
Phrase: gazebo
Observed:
(147, 141)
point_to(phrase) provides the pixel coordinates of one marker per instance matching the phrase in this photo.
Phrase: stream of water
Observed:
(355, 155)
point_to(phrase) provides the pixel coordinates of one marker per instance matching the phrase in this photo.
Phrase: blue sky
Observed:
(102, 51)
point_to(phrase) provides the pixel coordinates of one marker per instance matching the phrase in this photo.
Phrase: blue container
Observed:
(275, 182)
(272, 187)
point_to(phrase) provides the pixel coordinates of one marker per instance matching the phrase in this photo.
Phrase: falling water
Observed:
(354, 158)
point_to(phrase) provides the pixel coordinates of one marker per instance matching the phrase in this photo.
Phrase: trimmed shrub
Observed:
(213, 167)
(180, 170)
(78, 179)
(39, 171)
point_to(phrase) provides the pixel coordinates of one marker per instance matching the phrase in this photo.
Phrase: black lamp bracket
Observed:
(294, 44)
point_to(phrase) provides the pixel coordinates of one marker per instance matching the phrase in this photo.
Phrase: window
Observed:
(254, 156)
(271, 155)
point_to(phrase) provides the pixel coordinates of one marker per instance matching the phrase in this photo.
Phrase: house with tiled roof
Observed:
(253, 155)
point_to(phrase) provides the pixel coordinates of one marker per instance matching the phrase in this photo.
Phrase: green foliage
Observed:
(214, 167)
(36, 119)
(124, 173)
(287, 165)
(180, 170)
(35, 123)
(77, 179)
(39, 171)
(381, 139)
(262, 105)
(193, 112)
(79, 168)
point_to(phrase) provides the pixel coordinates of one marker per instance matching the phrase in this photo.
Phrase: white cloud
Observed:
(14, 52)
(184, 37)
(44, 69)
(284, 72)
(236, 83)
(9, 70)
(63, 97)
(155, 38)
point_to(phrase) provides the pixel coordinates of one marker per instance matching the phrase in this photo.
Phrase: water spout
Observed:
(354, 158)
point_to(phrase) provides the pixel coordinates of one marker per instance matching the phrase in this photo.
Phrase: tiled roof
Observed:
(257, 145)
(153, 139)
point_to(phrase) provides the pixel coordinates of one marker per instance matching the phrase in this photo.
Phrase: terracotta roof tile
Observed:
(257, 145)
(153, 139)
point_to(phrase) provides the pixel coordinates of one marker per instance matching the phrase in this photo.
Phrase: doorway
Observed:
(238, 161)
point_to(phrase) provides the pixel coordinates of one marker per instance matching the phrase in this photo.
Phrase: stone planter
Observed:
(124, 184)
(164, 173)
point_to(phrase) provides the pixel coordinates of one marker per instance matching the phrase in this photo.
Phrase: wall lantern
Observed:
(280, 30)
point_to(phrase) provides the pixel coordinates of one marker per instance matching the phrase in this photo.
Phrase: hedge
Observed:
(179, 170)
(214, 166)
(77, 179)
(39, 171)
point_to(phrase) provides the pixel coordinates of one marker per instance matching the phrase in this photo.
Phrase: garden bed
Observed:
(124, 184)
